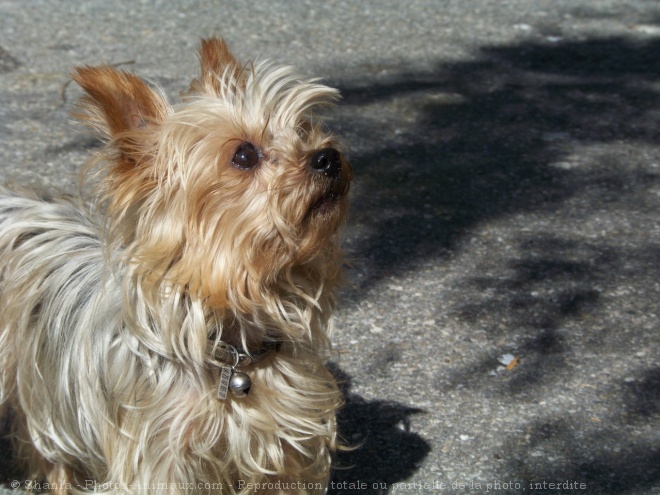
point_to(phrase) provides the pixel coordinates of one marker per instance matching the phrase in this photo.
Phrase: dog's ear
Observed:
(215, 59)
(118, 104)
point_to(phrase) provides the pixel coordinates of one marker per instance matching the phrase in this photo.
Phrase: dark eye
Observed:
(246, 157)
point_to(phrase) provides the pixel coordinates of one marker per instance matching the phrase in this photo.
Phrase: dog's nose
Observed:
(326, 161)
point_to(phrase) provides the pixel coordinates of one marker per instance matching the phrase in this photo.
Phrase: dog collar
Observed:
(226, 358)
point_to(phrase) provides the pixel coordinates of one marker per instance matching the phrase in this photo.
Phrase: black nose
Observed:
(326, 161)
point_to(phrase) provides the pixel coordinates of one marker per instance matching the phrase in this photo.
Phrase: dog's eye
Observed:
(246, 157)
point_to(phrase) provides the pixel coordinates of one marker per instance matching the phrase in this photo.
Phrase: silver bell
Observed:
(239, 384)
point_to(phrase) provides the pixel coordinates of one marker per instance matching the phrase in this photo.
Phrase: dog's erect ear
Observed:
(117, 103)
(215, 58)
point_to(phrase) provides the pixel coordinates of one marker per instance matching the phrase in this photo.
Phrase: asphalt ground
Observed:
(505, 210)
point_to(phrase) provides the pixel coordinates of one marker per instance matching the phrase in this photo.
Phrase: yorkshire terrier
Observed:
(169, 335)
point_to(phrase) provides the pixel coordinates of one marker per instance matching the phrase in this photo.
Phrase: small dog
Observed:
(172, 336)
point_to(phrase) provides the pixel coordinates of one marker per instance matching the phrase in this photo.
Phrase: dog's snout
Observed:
(326, 161)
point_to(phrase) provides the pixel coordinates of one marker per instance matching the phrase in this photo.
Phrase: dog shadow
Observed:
(9, 470)
(382, 449)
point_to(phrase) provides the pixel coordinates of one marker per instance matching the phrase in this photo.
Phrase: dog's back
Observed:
(50, 281)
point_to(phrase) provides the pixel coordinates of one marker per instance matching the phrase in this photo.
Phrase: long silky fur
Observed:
(104, 341)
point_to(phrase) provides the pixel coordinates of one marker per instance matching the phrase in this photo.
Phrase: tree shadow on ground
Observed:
(494, 137)
(489, 138)
(633, 468)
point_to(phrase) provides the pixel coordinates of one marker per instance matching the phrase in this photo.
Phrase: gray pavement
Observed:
(506, 205)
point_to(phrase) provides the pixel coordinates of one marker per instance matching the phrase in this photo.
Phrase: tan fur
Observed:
(104, 343)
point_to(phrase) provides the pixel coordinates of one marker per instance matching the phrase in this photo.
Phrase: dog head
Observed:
(230, 193)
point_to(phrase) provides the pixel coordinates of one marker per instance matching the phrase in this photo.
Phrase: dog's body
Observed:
(216, 257)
